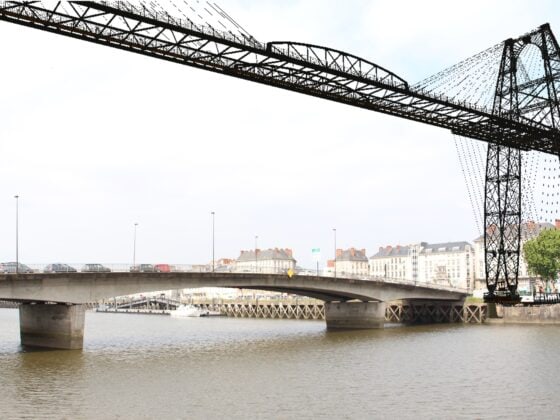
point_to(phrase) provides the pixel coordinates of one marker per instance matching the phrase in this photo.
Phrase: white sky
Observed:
(95, 139)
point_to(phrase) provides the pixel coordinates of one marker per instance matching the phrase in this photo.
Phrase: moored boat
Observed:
(186, 311)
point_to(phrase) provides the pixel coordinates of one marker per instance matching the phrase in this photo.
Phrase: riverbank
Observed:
(541, 315)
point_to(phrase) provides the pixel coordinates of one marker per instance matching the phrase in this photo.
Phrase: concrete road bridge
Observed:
(52, 313)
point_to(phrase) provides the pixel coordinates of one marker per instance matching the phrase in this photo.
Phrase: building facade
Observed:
(394, 263)
(269, 261)
(449, 264)
(529, 230)
(351, 262)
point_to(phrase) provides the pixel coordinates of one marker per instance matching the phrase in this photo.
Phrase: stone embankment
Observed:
(542, 314)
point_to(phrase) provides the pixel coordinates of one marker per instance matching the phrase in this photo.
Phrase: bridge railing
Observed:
(60, 268)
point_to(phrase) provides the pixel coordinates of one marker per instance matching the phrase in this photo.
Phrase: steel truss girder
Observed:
(536, 100)
(307, 69)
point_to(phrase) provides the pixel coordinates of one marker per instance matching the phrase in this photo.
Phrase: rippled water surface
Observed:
(160, 367)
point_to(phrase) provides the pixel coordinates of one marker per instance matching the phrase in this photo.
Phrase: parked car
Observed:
(95, 268)
(142, 268)
(164, 268)
(59, 268)
(10, 268)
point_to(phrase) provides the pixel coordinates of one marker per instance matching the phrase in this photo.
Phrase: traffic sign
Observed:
(316, 254)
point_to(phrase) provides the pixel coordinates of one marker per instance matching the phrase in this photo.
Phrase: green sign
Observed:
(316, 254)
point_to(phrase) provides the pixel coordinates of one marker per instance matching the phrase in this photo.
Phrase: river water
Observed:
(160, 367)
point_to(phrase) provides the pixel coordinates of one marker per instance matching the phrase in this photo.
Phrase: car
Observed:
(95, 268)
(527, 299)
(59, 268)
(142, 268)
(10, 268)
(164, 268)
(307, 273)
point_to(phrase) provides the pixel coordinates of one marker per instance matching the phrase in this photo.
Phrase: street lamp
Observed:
(213, 241)
(334, 230)
(134, 249)
(17, 233)
(256, 253)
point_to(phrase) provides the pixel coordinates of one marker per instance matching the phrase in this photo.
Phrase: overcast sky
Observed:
(95, 139)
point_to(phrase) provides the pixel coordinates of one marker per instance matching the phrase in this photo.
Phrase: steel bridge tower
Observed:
(521, 99)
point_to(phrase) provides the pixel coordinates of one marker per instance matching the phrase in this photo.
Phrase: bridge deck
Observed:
(81, 288)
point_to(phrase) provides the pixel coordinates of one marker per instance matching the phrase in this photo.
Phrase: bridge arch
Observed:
(337, 60)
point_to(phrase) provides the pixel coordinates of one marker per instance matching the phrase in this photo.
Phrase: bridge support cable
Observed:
(469, 170)
(309, 69)
(522, 96)
(472, 80)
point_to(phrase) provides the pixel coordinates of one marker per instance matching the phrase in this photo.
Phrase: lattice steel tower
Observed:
(523, 97)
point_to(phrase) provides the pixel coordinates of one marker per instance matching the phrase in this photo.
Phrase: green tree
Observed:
(543, 255)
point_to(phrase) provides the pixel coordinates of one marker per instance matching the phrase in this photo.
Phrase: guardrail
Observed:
(61, 268)
(546, 298)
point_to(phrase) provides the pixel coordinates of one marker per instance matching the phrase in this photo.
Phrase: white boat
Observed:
(186, 311)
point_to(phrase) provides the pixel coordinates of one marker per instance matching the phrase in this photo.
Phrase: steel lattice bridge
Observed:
(523, 113)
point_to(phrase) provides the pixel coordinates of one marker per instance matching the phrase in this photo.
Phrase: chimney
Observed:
(363, 251)
(289, 252)
(339, 253)
(558, 224)
(352, 252)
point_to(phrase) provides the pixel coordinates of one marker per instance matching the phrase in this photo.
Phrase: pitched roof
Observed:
(424, 248)
(351, 255)
(267, 254)
(397, 251)
(529, 230)
(444, 247)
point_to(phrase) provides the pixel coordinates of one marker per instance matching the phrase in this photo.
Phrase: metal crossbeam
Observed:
(307, 69)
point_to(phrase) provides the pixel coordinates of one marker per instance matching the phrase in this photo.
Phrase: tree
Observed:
(543, 255)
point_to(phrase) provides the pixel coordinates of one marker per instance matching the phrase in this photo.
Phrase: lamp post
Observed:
(213, 241)
(256, 253)
(334, 231)
(17, 233)
(134, 249)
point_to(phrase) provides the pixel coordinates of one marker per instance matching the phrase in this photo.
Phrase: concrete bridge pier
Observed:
(355, 315)
(52, 326)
